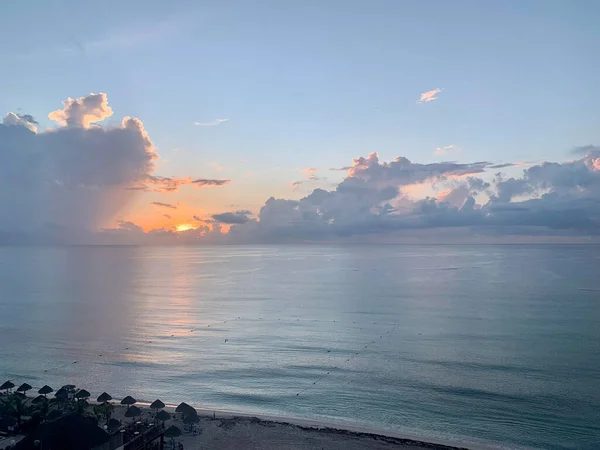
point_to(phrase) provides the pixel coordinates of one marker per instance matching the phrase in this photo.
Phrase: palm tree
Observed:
(43, 406)
(17, 408)
(104, 410)
(61, 398)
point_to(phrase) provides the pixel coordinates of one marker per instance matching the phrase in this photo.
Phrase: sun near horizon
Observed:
(184, 227)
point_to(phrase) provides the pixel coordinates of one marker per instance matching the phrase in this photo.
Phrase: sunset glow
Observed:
(184, 227)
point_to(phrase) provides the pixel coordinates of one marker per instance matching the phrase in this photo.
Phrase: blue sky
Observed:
(315, 83)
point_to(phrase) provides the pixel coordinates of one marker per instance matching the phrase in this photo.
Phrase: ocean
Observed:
(477, 345)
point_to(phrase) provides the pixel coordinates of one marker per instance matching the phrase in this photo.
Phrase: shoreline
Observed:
(330, 427)
(290, 432)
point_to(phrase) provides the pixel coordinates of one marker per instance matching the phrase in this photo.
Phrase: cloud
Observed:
(71, 176)
(443, 150)
(237, 217)
(401, 171)
(63, 184)
(310, 176)
(585, 149)
(549, 201)
(167, 216)
(129, 226)
(83, 111)
(24, 120)
(559, 199)
(166, 184)
(212, 123)
(164, 205)
(429, 96)
(161, 184)
(202, 182)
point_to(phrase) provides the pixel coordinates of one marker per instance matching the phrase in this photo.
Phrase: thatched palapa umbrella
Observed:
(113, 424)
(81, 394)
(62, 393)
(7, 385)
(157, 404)
(162, 416)
(24, 388)
(129, 400)
(173, 432)
(104, 397)
(134, 411)
(186, 410)
(45, 390)
(191, 419)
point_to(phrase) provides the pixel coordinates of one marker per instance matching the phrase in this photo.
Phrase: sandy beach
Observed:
(229, 431)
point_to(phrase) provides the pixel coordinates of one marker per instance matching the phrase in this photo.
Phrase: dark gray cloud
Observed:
(28, 118)
(201, 182)
(237, 217)
(501, 166)
(164, 205)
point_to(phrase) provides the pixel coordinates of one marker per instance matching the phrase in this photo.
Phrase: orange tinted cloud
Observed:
(429, 96)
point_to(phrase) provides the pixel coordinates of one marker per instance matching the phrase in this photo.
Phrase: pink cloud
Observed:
(429, 96)
(83, 111)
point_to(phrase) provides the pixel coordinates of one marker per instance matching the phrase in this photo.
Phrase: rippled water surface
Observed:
(476, 344)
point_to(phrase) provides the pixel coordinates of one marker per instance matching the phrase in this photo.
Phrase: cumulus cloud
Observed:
(401, 171)
(61, 184)
(24, 120)
(83, 111)
(429, 96)
(164, 205)
(560, 200)
(212, 123)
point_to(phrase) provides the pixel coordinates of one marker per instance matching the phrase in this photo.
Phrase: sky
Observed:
(229, 121)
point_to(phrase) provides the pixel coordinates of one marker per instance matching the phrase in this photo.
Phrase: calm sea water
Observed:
(475, 344)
